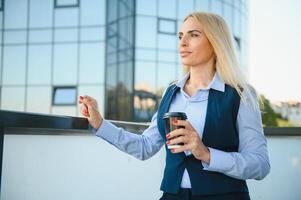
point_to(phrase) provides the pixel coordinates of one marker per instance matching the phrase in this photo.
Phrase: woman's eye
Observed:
(180, 37)
(194, 35)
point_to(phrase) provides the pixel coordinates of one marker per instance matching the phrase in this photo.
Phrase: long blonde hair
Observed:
(227, 65)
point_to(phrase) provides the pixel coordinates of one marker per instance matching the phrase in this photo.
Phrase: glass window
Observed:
(237, 4)
(65, 64)
(40, 13)
(202, 5)
(145, 54)
(66, 17)
(228, 16)
(14, 61)
(39, 64)
(167, 42)
(42, 103)
(168, 26)
(92, 61)
(237, 23)
(185, 7)
(1, 21)
(15, 14)
(14, 37)
(1, 5)
(166, 74)
(66, 3)
(64, 95)
(216, 7)
(92, 34)
(167, 56)
(146, 7)
(146, 31)
(230, 2)
(148, 82)
(112, 7)
(40, 36)
(12, 98)
(93, 12)
(167, 9)
(66, 35)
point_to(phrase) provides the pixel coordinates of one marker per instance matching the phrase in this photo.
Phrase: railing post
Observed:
(1, 153)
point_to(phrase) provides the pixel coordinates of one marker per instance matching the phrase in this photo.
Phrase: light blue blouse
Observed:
(250, 162)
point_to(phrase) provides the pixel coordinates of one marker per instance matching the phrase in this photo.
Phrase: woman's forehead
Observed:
(190, 24)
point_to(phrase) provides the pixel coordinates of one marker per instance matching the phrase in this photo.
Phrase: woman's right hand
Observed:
(89, 108)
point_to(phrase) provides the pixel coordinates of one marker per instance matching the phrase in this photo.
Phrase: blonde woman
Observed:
(223, 142)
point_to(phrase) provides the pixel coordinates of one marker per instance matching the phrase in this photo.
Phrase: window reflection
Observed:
(167, 9)
(146, 7)
(41, 13)
(66, 3)
(146, 31)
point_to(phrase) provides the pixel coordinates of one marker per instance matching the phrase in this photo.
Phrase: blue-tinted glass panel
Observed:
(167, 56)
(146, 7)
(216, 7)
(92, 12)
(168, 26)
(65, 64)
(64, 96)
(39, 64)
(66, 3)
(237, 23)
(145, 54)
(202, 5)
(145, 82)
(66, 35)
(14, 60)
(92, 34)
(40, 36)
(113, 13)
(41, 13)
(12, 98)
(228, 16)
(66, 17)
(15, 14)
(167, 9)
(41, 104)
(166, 74)
(92, 57)
(230, 2)
(14, 37)
(146, 31)
(167, 42)
(185, 7)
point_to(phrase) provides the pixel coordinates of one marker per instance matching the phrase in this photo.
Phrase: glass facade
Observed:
(122, 52)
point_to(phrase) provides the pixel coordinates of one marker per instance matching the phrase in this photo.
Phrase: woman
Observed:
(223, 137)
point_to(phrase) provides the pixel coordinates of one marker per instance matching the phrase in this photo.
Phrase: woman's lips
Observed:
(185, 53)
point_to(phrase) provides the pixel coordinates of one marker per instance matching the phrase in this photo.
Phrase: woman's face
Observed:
(194, 47)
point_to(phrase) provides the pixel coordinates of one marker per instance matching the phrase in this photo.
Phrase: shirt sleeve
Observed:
(142, 146)
(251, 161)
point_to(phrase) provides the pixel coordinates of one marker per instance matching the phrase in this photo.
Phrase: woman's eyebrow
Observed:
(190, 31)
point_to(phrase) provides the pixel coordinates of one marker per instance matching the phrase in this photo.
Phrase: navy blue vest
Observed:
(219, 132)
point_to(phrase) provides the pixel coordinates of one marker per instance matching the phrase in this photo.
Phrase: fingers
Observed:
(184, 123)
(177, 133)
(178, 140)
(180, 149)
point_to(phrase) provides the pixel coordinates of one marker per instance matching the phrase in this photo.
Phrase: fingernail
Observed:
(168, 142)
(81, 97)
(175, 121)
(172, 150)
(168, 135)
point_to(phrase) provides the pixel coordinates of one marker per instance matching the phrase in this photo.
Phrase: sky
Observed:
(275, 48)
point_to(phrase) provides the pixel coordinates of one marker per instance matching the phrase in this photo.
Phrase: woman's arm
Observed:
(140, 146)
(251, 161)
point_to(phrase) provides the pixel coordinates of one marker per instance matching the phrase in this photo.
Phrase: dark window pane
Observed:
(64, 96)
(66, 3)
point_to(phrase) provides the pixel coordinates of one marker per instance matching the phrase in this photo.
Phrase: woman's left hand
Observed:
(190, 138)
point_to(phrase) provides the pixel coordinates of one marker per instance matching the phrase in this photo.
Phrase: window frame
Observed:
(55, 88)
(166, 19)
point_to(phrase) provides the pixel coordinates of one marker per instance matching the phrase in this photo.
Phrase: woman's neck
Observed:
(201, 76)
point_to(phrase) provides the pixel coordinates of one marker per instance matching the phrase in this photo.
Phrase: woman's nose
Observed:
(183, 42)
